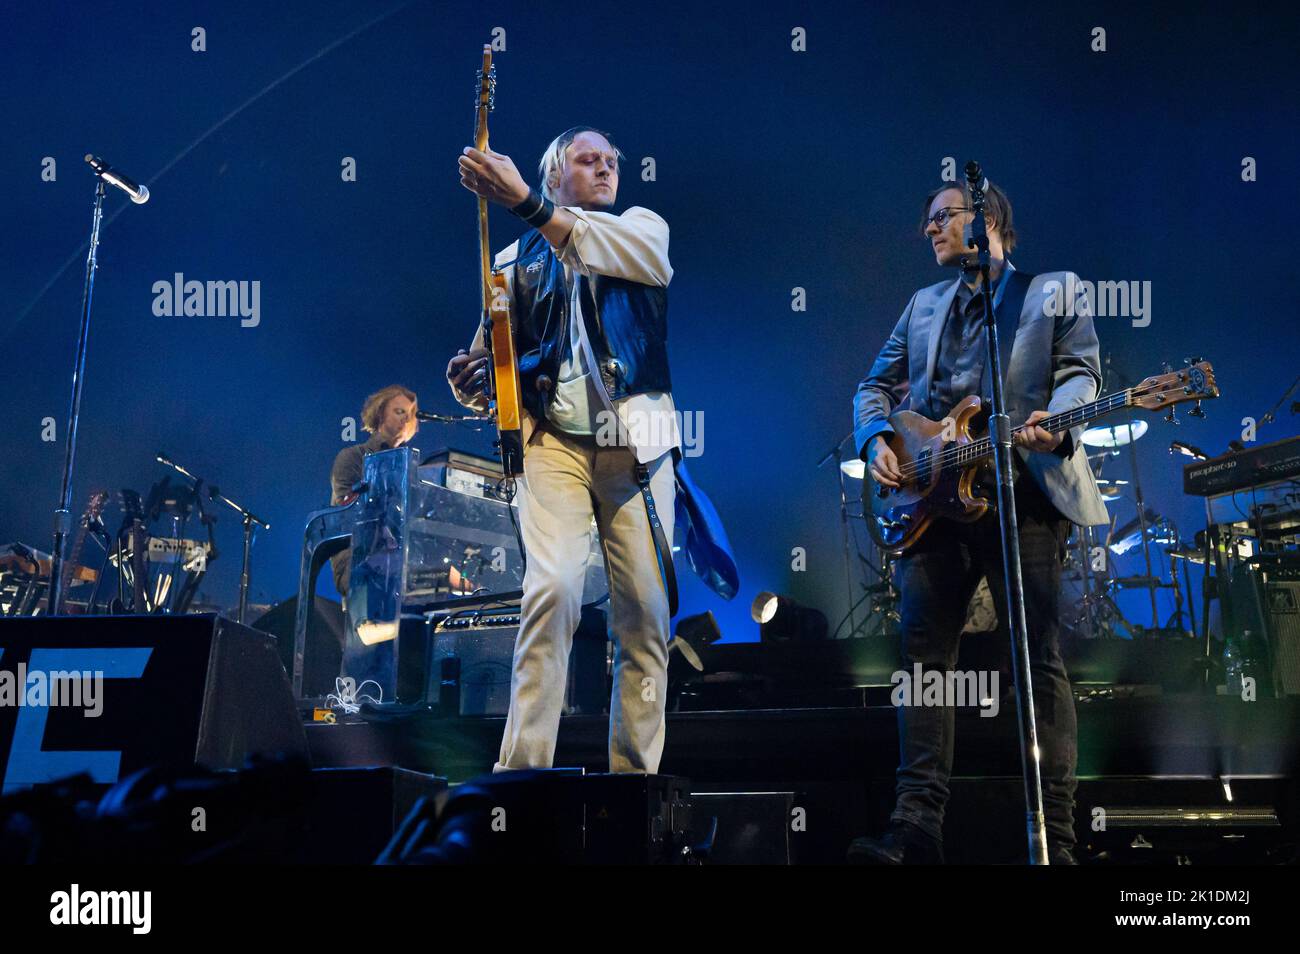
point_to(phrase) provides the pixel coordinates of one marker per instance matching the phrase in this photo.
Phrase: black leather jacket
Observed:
(627, 323)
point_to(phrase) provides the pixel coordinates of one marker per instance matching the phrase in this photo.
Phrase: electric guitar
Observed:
(940, 460)
(94, 508)
(503, 386)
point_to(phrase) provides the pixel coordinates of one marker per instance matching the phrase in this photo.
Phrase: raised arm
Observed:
(633, 245)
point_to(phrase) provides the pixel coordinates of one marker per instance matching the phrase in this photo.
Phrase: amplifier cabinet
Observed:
(469, 659)
(1266, 599)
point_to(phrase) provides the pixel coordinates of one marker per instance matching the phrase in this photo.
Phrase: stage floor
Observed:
(1135, 749)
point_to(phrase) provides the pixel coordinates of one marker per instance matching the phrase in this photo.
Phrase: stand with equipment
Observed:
(248, 519)
(62, 514)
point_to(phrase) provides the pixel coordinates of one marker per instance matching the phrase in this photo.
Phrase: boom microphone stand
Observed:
(1000, 430)
(63, 515)
(249, 520)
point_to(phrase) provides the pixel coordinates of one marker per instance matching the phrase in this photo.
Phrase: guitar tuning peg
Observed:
(1196, 360)
(1171, 417)
(1197, 410)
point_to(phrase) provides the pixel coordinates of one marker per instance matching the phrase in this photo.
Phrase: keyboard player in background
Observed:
(388, 416)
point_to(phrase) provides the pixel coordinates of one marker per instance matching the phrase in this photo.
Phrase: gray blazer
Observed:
(1054, 366)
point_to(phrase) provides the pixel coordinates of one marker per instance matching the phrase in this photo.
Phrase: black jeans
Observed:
(937, 579)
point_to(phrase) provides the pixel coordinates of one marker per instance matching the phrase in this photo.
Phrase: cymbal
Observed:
(855, 468)
(1158, 530)
(1110, 489)
(1116, 435)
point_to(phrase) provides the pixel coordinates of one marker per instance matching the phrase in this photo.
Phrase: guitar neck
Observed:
(73, 558)
(977, 450)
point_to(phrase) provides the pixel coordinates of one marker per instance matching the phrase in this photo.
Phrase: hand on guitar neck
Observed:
(493, 176)
(1035, 438)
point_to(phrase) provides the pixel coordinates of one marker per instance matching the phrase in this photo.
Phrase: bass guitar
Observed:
(941, 460)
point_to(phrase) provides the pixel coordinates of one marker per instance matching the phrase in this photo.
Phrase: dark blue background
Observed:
(775, 169)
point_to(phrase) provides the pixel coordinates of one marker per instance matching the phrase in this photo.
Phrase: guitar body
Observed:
(507, 400)
(899, 516)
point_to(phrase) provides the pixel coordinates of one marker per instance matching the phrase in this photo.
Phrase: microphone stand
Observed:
(249, 520)
(1000, 430)
(434, 418)
(63, 514)
(835, 455)
(1269, 417)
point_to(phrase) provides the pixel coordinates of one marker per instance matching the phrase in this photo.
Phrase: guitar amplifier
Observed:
(1266, 599)
(468, 659)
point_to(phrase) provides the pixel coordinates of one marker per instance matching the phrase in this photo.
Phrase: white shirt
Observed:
(633, 246)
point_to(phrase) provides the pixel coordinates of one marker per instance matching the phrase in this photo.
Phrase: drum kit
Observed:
(1089, 564)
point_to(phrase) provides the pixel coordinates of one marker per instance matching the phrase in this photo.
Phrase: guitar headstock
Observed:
(1195, 382)
(485, 94)
(95, 506)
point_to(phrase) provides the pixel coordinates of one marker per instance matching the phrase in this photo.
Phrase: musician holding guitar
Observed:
(588, 291)
(926, 494)
(934, 359)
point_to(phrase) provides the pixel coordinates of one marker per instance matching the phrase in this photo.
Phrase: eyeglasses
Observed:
(944, 216)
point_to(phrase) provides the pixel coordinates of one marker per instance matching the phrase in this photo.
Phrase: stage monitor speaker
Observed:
(754, 828)
(552, 817)
(326, 637)
(108, 695)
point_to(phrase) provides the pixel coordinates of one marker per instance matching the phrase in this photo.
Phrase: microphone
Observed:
(429, 417)
(1191, 450)
(26, 552)
(139, 194)
(975, 177)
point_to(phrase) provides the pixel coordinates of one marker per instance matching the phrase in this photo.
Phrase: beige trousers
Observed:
(569, 479)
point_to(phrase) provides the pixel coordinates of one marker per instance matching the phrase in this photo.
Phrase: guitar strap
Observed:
(1008, 303)
(663, 551)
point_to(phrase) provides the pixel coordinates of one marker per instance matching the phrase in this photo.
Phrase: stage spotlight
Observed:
(764, 607)
(781, 618)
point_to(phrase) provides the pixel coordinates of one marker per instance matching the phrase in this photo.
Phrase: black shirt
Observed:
(348, 470)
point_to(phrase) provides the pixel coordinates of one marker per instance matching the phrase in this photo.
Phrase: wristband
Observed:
(536, 210)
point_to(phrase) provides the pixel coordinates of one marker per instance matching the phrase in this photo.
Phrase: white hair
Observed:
(553, 158)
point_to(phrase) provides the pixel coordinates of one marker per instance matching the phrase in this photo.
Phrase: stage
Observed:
(1138, 748)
